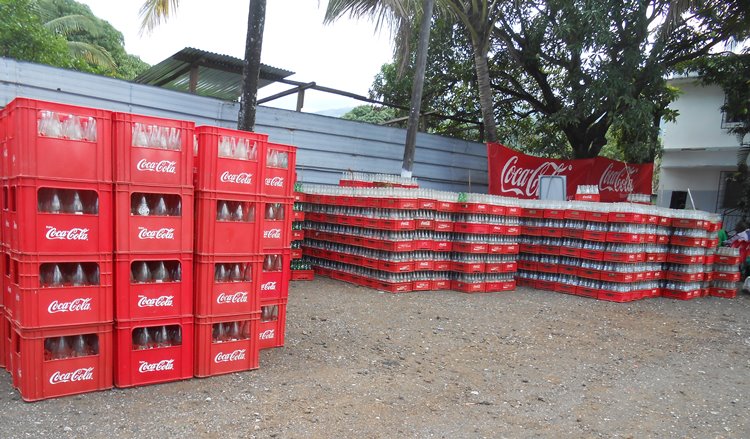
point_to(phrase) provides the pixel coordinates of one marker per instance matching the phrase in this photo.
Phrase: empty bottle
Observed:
(142, 208)
(76, 206)
(159, 274)
(78, 278)
(55, 206)
(56, 277)
(235, 275)
(248, 275)
(218, 335)
(80, 348)
(141, 272)
(177, 211)
(175, 335)
(141, 339)
(220, 273)
(238, 214)
(177, 273)
(234, 331)
(160, 208)
(222, 211)
(161, 337)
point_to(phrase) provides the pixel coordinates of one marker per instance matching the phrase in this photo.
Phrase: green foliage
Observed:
(370, 114)
(24, 37)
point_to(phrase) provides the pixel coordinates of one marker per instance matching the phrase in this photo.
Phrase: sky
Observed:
(345, 55)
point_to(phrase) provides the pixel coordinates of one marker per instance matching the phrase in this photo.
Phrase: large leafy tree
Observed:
(94, 40)
(23, 36)
(588, 67)
(154, 12)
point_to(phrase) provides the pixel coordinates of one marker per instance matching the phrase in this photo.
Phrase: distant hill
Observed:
(334, 112)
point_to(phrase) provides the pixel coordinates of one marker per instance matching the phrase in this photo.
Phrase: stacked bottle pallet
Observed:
(243, 217)
(401, 240)
(301, 268)
(153, 249)
(57, 248)
(724, 276)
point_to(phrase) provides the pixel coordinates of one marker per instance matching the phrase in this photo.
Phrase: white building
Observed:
(698, 150)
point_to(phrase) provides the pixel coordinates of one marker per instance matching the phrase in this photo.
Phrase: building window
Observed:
(729, 119)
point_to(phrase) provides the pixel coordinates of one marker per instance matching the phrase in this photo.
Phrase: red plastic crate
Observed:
(272, 324)
(278, 181)
(442, 246)
(227, 237)
(152, 150)
(722, 292)
(547, 268)
(622, 257)
(443, 226)
(591, 235)
(611, 296)
(398, 287)
(422, 285)
(680, 295)
(465, 287)
(532, 213)
(626, 217)
(441, 284)
(587, 197)
(588, 292)
(545, 285)
(228, 297)
(217, 358)
(554, 213)
(684, 277)
(589, 273)
(494, 287)
(575, 214)
(724, 276)
(153, 300)
(34, 306)
(27, 153)
(566, 288)
(151, 366)
(549, 250)
(685, 259)
(470, 247)
(26, 229)
(527, 265)
(296, 253)
(617, 277)
(570, 252)
(631, 238)
(230, 174)
(552, 232)
(4, 341)
(500, 267)
(601, 217)
(593, 255)
(687, 223)
(572, 233)
(468, 267)
(568, 269)
(393, 267)
(37, 377)
(686, 241)
(274, 284)
(473, 228)
(276, 232)
(153, 234)
(726, 260)
(302, 275)
(503, 249)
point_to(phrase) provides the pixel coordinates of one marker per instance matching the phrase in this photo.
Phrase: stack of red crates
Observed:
(243, 215)
(153, 169)
(57, 248)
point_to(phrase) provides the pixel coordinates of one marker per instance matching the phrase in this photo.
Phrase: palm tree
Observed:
(69, 25)
(154, 12)
(396, 14)
(478, 17)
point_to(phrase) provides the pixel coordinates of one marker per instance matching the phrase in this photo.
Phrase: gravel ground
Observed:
(360, 363)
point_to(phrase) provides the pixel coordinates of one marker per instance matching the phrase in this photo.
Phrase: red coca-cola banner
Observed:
(514, 174)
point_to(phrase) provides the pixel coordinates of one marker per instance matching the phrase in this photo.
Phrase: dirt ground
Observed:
(359, 363)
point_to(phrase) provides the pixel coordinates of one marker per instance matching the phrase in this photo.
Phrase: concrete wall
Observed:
(326, 146)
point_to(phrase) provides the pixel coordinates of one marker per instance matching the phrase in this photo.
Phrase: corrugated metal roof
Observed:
(219, 76)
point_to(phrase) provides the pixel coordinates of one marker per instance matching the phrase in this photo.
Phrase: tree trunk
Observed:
(485, 94)
(412, 125)
(256, 21)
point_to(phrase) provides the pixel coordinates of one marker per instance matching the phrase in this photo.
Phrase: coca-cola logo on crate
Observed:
(75, 305)
(237, 355)
(238, 297)
(241, 178)
(161, 366)
(275, 181)
(163, 233)
(161, 301)
(83, 374)
(272, 234)
(268, 334)
(163, 166)
(268, 286)
(74, 234)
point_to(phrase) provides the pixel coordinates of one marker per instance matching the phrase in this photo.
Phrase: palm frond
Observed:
(153, 12)
(70, 24)
(92, 54)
